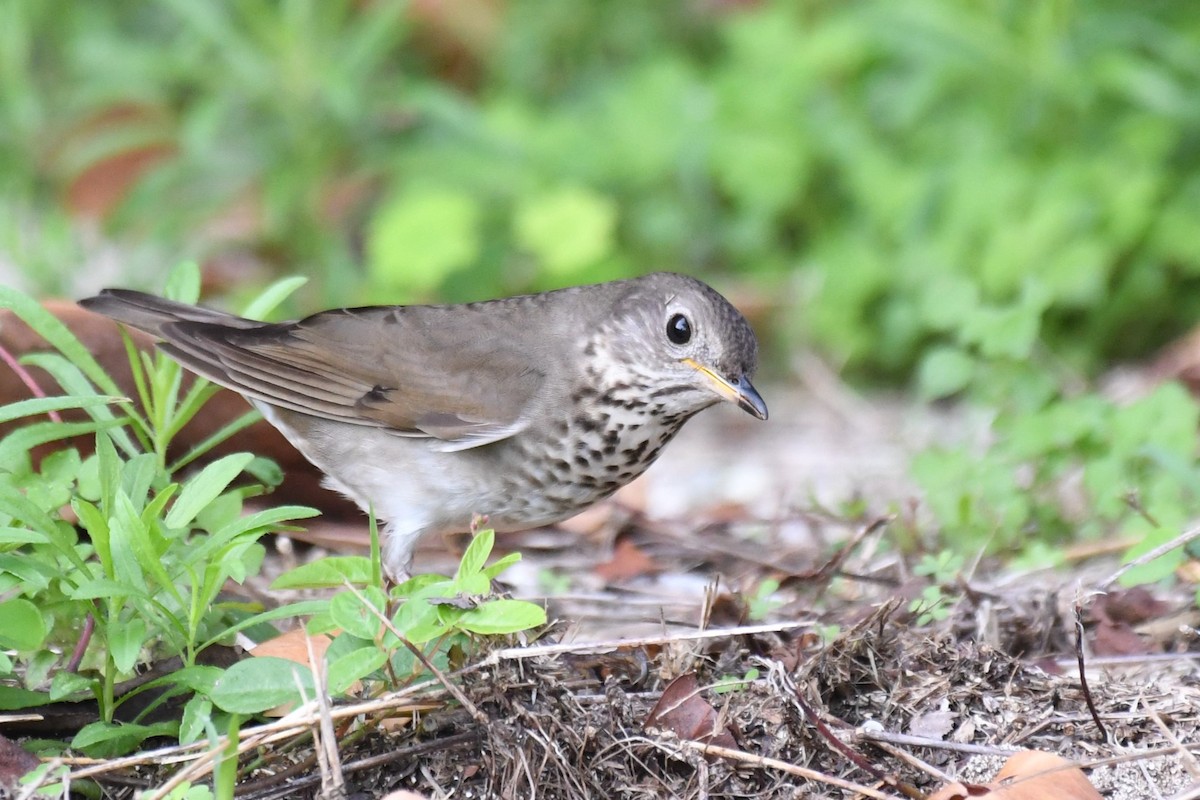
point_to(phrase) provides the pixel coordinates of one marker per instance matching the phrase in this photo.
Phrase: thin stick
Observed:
(1087, 694)
(775, 764)
(1150, 555)
(537, 651)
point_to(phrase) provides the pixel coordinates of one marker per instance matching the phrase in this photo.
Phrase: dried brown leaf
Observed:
(1028, 775)
(685, 713)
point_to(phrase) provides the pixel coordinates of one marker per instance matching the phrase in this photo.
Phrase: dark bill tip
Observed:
(749, 400)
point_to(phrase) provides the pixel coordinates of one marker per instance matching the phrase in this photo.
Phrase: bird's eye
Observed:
(679, 329)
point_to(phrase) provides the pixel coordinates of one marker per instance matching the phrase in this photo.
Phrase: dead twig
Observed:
(1087, 694)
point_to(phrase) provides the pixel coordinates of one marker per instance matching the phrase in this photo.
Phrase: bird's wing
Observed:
(415, 371)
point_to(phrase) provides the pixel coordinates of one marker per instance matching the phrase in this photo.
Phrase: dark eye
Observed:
(679, 330)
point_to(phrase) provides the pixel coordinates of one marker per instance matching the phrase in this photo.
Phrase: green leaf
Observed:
(34, 434)
(356, 617)
(198, 678)
(288, 611)
(253, 524)
(195, 720)
(418, 620)
(254, 685)
(21, 625)
(43, 405)
(266, 472)
(131, 557)
(1160, 568)
(355, 665)
(202, 489)
(948, 301)
(21, 536)
(414, 585)
(20, 509)
(74, 383)
(475, 584)
(96, 524)
(475, 557)
(137, 476)
(500, 565)
(326, 573)
(104, 589)
(183, 282)
(13, 698)
(106, 739)
(71, 686)
(567, 229)
(33, 575)
(502, 616)
(269, 298)
(125, 641)
(58, 335)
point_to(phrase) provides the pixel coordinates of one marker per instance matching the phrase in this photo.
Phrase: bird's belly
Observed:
(522, 482)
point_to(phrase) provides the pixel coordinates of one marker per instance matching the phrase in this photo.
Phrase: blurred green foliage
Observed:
(1080, 467)
(912, 185)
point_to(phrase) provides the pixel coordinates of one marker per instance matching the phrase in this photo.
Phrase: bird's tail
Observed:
(149, 313)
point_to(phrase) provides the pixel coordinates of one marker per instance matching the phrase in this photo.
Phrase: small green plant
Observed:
(377, 643)
(942, 568)
(134, 577)
(141, 582)
(828, 632)
(48, 777)
(733, 683)
(553, 582)
(764, 600)
(1059, 467)
(932, 606)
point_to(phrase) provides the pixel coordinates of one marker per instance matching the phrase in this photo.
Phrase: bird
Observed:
(525, 410)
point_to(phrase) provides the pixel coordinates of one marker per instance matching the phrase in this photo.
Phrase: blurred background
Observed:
(993, 199)
(903, 187)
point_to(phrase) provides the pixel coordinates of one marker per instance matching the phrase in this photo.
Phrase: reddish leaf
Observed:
(1118, 639)
(628, 561)
(1133, 606)
(15, 761)
(685, 713)
(1028, 775)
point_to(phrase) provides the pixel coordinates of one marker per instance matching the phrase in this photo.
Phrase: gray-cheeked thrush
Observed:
(526, 409)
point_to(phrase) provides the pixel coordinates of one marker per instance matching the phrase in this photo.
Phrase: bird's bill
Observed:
(739, 392)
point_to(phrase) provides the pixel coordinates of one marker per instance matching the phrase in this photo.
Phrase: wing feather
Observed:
(370, 367)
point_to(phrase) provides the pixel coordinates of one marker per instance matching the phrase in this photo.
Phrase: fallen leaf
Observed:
(1131, 605)
(1028, 775)
(628, 561)
(1118, 639)
(1034, 775)
(15, 762)
(292, 646)
(683, 711)
(960, 791)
